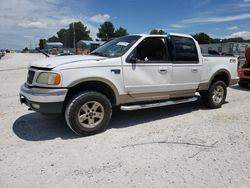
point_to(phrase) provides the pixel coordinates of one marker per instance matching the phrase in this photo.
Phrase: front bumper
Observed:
(48, 101)
(244, 81)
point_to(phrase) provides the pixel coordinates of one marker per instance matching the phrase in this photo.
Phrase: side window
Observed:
(184, 50)
(151, 49)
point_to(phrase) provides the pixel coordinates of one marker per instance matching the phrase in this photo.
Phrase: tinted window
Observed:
(151, 49)
(184, 49)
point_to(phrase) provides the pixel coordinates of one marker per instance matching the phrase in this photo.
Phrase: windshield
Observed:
(116, 47)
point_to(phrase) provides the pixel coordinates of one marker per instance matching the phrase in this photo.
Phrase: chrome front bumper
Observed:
(42, 95)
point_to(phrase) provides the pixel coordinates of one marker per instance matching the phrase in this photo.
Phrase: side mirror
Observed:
(133, 60)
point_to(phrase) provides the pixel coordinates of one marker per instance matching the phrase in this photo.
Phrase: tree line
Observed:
(204, 38)
(107, 31)
(81, 32)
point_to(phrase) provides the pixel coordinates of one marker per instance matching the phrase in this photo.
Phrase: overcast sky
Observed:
(24, 22)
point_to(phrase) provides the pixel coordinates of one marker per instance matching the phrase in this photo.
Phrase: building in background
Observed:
(230, 48)
(84, 47)
(53, 47)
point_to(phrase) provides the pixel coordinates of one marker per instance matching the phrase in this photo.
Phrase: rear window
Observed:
(184, 50)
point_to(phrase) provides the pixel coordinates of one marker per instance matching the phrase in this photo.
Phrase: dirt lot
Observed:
(176, 146)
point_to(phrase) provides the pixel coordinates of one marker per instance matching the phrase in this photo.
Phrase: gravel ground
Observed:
(176, 146)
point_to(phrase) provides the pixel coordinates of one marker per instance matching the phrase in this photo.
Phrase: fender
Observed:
(205, 86)
(98, 79)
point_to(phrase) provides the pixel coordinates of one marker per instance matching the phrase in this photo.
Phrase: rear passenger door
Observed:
(186, 65)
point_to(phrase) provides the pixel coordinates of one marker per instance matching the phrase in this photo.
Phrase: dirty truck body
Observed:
(133, 72)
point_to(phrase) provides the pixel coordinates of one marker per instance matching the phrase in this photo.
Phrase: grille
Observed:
(247, 73)
(30, 76)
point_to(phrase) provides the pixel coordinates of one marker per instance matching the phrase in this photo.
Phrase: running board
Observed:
(158, 104)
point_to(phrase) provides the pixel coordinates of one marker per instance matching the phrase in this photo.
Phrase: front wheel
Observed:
(215, 96)
(88, 113)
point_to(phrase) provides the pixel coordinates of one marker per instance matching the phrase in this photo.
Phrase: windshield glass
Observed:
(116, 47)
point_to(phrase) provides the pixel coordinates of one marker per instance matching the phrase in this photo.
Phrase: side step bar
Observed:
(158, 104)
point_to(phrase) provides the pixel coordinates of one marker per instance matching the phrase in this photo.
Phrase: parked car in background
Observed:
(2, 53)
(244, 71)
(65, 53)
(84, 47)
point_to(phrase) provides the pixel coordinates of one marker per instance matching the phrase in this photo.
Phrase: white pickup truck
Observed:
(133, 72)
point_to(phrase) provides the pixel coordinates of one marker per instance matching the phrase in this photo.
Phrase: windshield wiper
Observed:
(99, 54)
(44, 53)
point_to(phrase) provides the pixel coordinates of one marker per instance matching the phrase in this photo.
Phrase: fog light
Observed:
(35, 106)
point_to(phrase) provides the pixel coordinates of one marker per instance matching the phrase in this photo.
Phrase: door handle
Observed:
(194, 70)
(116, 71)
(163, 71)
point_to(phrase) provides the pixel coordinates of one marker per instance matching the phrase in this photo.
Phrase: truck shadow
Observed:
(35, 127)
(123, 119)
(237, 87)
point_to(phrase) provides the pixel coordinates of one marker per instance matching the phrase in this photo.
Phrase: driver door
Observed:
(147, 71)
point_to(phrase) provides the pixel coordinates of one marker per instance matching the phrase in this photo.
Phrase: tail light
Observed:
(240, 71)
(238, 67)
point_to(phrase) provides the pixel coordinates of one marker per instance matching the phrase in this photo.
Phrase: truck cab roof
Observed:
(171, 34)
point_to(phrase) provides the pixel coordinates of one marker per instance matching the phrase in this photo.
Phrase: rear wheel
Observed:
(88, 113)
(216, 95)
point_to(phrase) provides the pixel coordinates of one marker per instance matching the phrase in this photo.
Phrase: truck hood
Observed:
(53, 62)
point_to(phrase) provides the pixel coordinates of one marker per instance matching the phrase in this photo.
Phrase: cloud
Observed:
(201, 3)
(64, 22)
(28, 36)
(32, 25)
(177, 26)
(42, 19)
(99, 18)
(217, 19)
(243, 5)
(233, 28)
(243, 34)
(246, 1)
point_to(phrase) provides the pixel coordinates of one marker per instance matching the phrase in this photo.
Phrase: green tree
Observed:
(203, 38)
(157, 32)
(120, 32)
(81, 33)
(236, 39)
(53, 39)
(106, 31)
(62, 35)
(42, 43)
(66, 36)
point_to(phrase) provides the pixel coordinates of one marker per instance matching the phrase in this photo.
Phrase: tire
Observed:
(88, 113)
(215, 96)
(242, 84)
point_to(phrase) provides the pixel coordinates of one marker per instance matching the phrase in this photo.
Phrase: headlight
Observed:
(48, 78)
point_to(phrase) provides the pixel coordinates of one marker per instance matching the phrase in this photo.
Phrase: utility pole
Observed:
(74, 37)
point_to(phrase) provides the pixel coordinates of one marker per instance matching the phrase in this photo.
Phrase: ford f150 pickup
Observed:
(132, 72)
